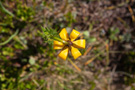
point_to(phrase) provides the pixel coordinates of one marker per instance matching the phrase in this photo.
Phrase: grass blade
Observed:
(10, 38)
(5, 10)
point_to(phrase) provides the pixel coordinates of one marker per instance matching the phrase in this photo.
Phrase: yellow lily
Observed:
(69, 43)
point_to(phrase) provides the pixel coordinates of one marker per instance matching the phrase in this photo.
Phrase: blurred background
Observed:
(27, 62)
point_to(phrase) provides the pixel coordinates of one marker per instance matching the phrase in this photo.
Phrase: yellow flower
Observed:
(72, 44)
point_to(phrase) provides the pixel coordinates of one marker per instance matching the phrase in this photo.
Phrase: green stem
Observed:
(60, 40)
(10, 38)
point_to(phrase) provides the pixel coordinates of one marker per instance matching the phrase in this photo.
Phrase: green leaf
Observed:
(5, 10)
(32, 60)
(116, 31)
(92, 39)
(86, 33)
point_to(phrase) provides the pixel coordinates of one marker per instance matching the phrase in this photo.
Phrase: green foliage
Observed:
(48, 34)
(24, 12)
(113, 33)
(126, 37)
(70, 18)
(88, 38)
(93, 85)
(6, 21)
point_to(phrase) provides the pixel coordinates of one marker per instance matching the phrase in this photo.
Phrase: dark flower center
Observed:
(70, 43)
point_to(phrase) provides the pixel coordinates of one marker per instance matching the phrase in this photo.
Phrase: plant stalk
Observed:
(60, 40)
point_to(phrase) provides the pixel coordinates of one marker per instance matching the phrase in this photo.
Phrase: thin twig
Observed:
(118, 52)
(87, 51)
(132, 13)
(93, 58)
(119, 5)
(121, 20)
(35, 82)
(107, 51)
(74, 65)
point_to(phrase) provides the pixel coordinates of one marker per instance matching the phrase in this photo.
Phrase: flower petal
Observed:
(63, 34)
(58, 45)
(64, 53)
(74, 34)
(79, 43)
(75, 52)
